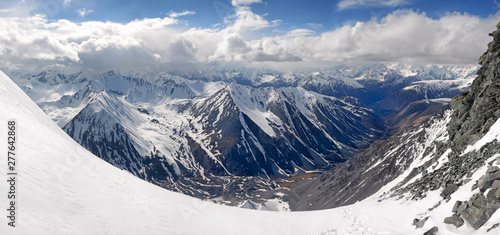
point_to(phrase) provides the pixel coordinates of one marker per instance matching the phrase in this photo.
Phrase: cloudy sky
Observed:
(44, 34)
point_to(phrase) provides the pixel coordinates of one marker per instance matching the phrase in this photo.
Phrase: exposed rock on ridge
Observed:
(451, 160)
(476, 111)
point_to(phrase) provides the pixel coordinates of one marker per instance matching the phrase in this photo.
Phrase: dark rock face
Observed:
(477, 110)
(474, 113)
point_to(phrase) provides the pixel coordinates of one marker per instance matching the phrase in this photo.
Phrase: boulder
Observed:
(474, 216)
(448, 190)
(432, 231)
(481, 210)
(455, 220)
(492, 169)
(496, 184)
(456, 206)
(486, 181)
(419, 222)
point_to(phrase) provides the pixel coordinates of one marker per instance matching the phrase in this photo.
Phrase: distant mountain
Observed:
(423, 90)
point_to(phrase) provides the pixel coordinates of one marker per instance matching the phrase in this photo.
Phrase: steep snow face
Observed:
(111, 140)
(277, 132)
(64, 189)
(253, 103)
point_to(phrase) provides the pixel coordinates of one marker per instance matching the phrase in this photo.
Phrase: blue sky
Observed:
(292, 13)
(41, 34)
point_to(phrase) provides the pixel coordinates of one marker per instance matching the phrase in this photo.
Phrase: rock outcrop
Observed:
(444, 154)
(476, 111)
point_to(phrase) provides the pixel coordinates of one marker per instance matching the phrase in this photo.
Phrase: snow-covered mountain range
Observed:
(199, 132)
(439, 176)
(66, 189)
(181, 133)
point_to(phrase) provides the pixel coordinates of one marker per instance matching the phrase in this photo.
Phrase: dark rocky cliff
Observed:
(476, 111)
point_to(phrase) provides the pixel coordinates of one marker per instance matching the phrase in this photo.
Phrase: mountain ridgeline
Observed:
(237, 133)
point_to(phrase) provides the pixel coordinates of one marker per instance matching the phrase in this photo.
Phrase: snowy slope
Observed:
(63, 189)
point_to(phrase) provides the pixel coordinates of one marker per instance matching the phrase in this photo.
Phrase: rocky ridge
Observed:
(474, 115)
(460, 159)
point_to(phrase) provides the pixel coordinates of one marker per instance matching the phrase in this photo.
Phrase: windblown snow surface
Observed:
(64, 189)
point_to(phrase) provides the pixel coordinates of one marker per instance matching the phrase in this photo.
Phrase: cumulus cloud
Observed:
(115, 51)
(349, 4)
(407, 36)
(403, 36)
(232, 49)
(245, 20)
(181, 50)
(24, 42)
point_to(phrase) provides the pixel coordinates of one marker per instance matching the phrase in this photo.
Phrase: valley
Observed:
(213, 137)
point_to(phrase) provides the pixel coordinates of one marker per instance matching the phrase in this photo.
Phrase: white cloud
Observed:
(244, 2)
(115, 51)
(406, 36)
(232, 49)
(16, 8)
(301, 32)
(181, 50)
(84, 11)
(67, 3)
(348, 4)
(245, 20)
(403, 36)
(179, 14)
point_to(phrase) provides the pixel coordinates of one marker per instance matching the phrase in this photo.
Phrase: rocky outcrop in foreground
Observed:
(457, 150)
